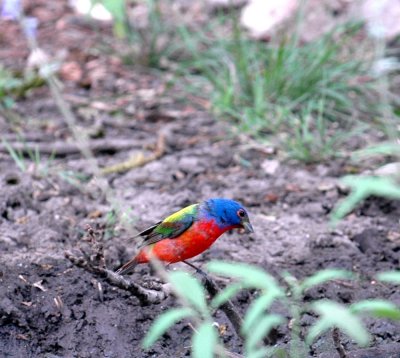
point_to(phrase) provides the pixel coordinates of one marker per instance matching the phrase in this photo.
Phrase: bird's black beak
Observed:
(248, 229)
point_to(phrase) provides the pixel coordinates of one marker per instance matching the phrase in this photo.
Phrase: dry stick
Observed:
(338, 345)
(63, 149)
(93, 261)
(139, 159)
(145, 296)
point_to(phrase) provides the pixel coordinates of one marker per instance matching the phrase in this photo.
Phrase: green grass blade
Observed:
(16, 156)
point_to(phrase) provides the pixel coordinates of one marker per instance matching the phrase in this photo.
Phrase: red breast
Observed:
(198, 238)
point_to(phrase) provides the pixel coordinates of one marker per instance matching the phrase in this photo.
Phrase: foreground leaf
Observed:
(204, 341)
(386, 148)
(389, 276)
(163, 322)
(363, 187)
(268, 352)
(261, 329)
(333, 314)
(325, 275)
(377, 308)
(257, 310)
(251, 276)
(190, 289)
(226, 294)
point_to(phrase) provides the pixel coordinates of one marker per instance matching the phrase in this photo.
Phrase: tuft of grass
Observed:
(304, 91)
(15, 85)
(31, 161)
(148, 45)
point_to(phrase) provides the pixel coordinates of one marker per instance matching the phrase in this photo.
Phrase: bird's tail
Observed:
(129, 266)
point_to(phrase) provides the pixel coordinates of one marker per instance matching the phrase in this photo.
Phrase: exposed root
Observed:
(338, 345)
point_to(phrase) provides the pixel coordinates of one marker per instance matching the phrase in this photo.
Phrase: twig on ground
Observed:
(63, 149)
(94, 263)
(139, 159)
(338, 345)
(145, 296)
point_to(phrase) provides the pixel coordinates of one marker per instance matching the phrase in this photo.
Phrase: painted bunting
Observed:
(189, 232)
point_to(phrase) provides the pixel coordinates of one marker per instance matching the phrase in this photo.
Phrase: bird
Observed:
(188, 232)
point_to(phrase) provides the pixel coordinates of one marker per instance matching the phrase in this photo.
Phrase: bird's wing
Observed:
(173, 226)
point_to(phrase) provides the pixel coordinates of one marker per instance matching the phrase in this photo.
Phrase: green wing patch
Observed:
(171, 227)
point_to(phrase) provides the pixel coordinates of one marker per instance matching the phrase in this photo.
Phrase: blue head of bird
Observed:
(228, 213)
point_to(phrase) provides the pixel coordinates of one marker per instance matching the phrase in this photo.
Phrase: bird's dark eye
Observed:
(241, 213)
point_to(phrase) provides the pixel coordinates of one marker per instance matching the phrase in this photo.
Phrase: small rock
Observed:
(327, 186)
(270, 166)
(393, 236)
(369, 240)
(382, 18)
(260, 16)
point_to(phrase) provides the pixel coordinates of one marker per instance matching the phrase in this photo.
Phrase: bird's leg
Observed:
(198, 270)
(167, 266)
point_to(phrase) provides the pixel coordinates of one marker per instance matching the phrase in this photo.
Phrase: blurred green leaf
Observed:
(204, 341)
(323, 276)
(389, 276)
(226, 294)
(386, 148)
(377, 308)
(333, 314)
(261, 329)
(257, 309)
(250, 276)
(189, 288)
(363, 187)
(267, 352)
(163, 322)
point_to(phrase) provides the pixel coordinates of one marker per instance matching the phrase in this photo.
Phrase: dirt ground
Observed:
(124, 110)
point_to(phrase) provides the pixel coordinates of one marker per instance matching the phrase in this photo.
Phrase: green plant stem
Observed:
(296, 344)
